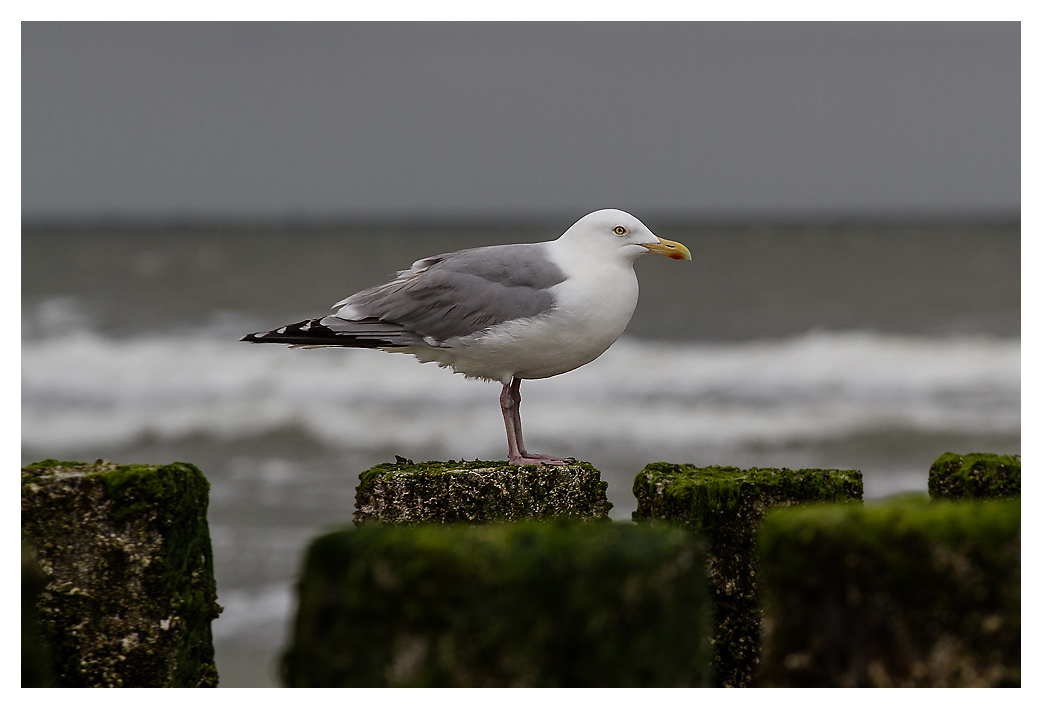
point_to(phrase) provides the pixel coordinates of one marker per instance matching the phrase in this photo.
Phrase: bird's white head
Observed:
(620, 233)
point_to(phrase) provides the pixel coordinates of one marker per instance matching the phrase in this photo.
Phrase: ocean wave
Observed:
(80, 388)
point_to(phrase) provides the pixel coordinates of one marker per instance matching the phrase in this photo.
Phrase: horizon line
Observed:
(506, 218)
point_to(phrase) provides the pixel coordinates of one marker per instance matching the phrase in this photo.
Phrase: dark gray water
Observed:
(745, 282)
(876, 347)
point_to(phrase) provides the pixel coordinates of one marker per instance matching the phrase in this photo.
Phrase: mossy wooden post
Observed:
(479, 491)
(130, 592)
(974, 476)
(37, 668)
(725, 505)
(894, 594)
(555, 603)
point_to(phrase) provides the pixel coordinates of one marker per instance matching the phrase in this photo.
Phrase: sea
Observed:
(875, 346)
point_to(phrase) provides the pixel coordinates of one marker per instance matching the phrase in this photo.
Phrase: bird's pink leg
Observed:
(510, 412)
(510, 404)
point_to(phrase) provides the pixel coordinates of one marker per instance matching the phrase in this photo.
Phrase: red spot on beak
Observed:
(675, 256)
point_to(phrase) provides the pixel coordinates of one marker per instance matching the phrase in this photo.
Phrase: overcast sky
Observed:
(369, 120)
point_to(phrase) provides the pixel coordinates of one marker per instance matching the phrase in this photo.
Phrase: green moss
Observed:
(955, 476)
(725, 504)
(128, 550)
(433, 468)
(688, 493)
(904, 593)
(523, 604)
(51, 465)
(477, 491)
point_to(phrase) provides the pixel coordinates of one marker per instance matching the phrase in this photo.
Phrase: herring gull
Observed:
(503, 313)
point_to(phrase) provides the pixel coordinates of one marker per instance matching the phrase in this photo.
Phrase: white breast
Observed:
(592, 308)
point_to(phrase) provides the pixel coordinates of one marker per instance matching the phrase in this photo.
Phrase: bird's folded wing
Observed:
(458, 294)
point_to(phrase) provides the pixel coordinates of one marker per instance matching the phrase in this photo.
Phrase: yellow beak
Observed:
(674, 250)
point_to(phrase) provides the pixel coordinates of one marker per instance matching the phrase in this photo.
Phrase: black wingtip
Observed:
(371, 333)
(292, 334)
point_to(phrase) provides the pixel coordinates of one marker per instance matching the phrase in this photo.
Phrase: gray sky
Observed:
(370, 120)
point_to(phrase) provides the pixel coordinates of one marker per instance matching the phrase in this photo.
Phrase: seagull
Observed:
(501, 313)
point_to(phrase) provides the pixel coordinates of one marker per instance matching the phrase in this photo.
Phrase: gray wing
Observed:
(457, 294)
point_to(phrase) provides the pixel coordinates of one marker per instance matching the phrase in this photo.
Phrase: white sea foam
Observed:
(254, 611)
(81, 389)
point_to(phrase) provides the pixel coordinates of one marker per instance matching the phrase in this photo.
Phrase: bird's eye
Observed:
(620, 230)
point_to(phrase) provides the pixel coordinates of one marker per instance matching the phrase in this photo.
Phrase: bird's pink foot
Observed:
(540, 460)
